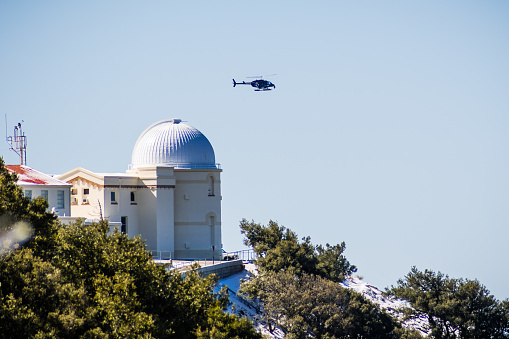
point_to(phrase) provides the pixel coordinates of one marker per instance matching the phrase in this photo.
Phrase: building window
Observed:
(28, 194)
(44, 194)
(113, 197)
(210, 180)
(123, 221)
(74, 191)
(133, 198)
(86, 192)
(60, 199)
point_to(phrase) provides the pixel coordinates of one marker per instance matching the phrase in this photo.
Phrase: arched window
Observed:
(210, 181)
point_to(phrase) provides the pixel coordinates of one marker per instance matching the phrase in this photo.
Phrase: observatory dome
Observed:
(172, 143)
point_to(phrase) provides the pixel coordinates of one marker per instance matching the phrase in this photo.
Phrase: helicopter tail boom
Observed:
(240, 83)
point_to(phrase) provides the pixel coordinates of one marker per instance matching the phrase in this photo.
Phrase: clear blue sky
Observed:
(388, 128)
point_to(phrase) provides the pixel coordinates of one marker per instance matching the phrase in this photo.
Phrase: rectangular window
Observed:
(133, 197)
(74, 191)
(123, 220)
(44, 194)
(60, 199)
(28, 194)
(86, 191)
(113, 197)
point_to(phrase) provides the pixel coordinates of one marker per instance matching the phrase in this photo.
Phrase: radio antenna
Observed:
(18, 142)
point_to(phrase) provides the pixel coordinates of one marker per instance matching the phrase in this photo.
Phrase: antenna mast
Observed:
(18, 143)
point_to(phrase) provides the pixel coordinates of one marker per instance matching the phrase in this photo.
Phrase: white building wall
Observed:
(122, 187)
(129, 209)
(88, 206)
(52, 197)
(197, 213)
(147, 212)
(156, 210)
(165, 222)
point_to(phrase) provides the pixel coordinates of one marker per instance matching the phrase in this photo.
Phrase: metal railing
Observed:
(161, 255)
(177, 166)
(244, 255)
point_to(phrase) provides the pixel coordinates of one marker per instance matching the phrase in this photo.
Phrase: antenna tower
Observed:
(18, 143)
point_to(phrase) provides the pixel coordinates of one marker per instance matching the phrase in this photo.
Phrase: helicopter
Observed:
(259, 84)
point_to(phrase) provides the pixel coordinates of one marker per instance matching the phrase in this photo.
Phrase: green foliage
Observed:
(454, 307)
(311, 306)
(77, 281)
(332, 264)
(34, 300)
(222, 325)
(278, 248)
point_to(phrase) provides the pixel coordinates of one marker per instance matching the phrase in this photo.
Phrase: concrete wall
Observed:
(147, 214)
(223, 269)
(197, 213)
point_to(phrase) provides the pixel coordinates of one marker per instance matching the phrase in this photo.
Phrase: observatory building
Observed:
(170, 195)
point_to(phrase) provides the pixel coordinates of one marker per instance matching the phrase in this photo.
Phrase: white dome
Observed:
(173, 143)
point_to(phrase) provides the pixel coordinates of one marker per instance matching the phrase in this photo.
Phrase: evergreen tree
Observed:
(34, 301)
(455, 308)
(278, 248)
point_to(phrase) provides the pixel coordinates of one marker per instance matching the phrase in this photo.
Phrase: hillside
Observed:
(243, 307)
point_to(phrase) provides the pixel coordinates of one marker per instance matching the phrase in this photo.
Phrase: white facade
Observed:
(37, 184)
(171, 196)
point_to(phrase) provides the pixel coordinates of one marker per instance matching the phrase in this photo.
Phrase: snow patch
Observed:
(392, 306)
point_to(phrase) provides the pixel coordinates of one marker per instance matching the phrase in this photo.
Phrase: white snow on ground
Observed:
(390, 305)
(243, 307)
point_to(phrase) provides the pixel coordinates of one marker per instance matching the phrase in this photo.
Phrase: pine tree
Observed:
(278, 248)
(455, 308)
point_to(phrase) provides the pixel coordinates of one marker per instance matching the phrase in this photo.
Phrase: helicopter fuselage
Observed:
(262, 84)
